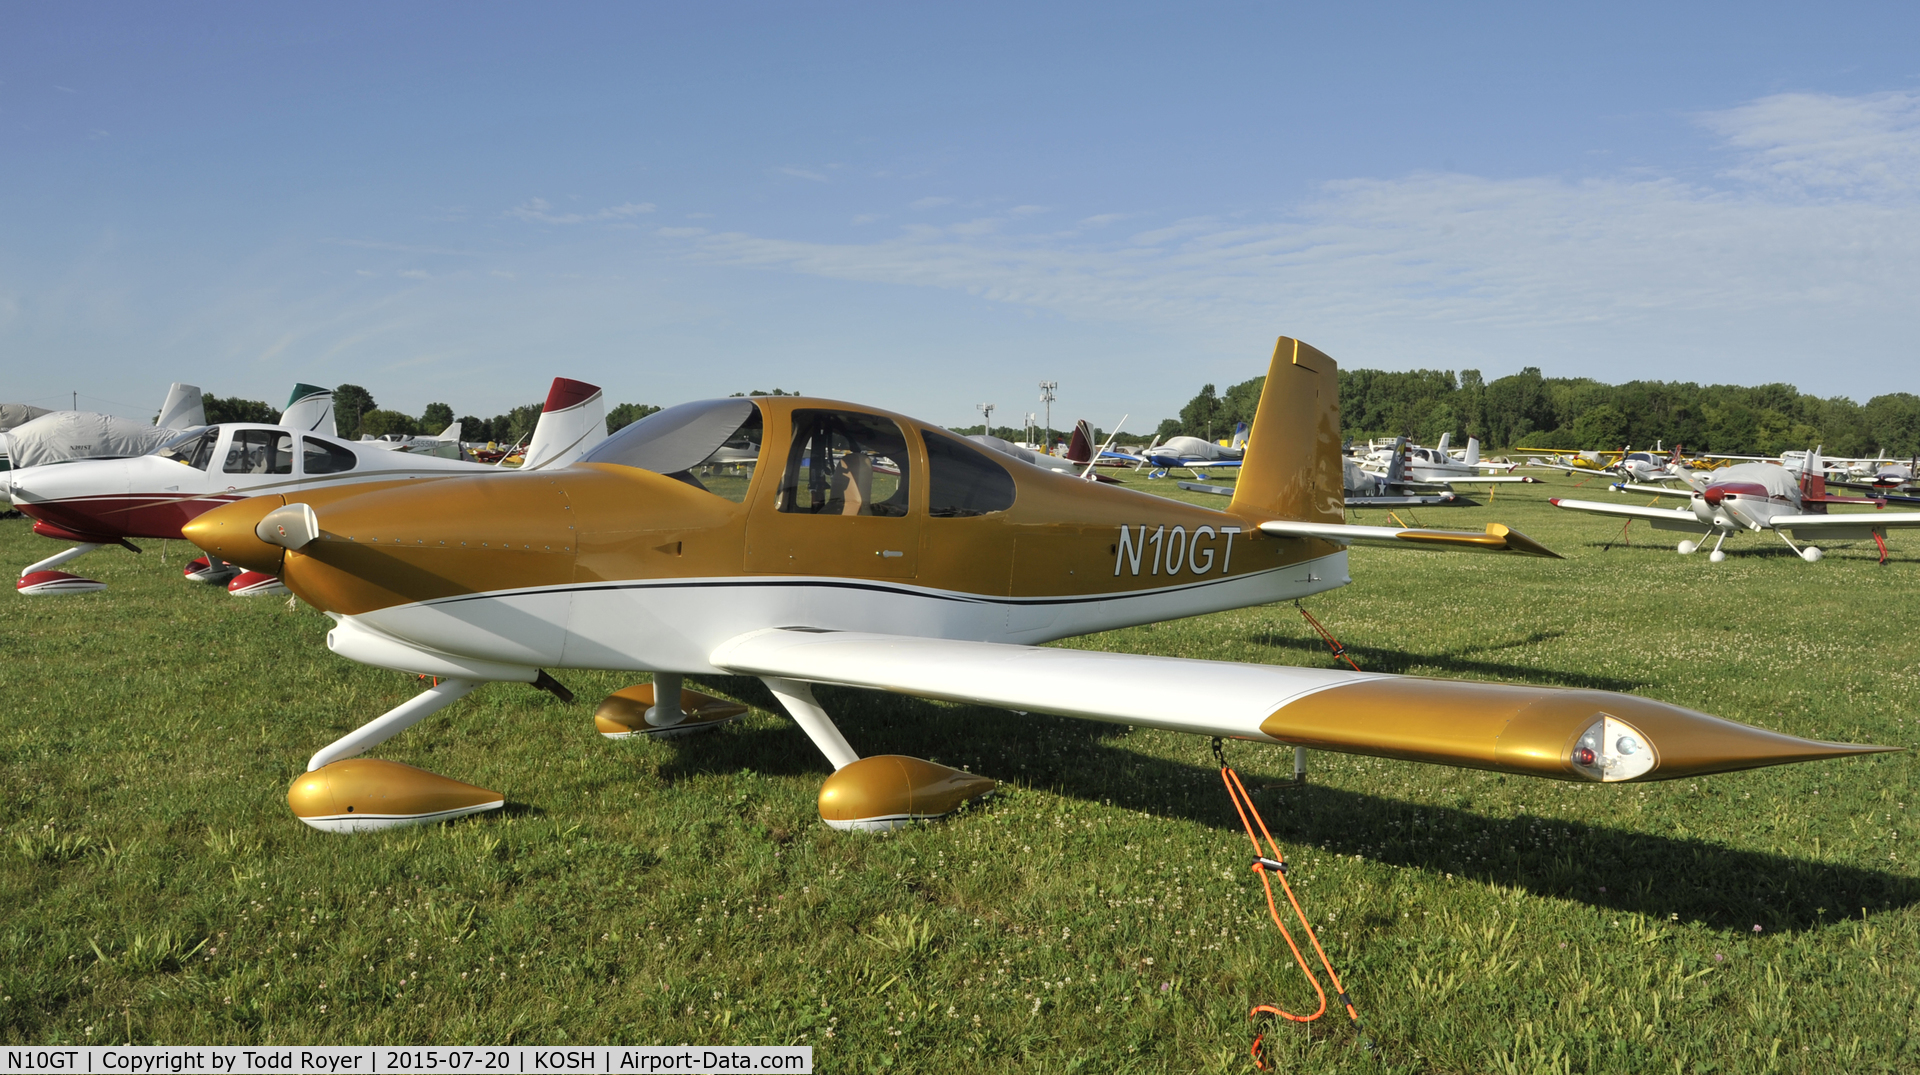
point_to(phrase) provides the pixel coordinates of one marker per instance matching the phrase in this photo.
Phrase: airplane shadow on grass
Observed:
(1620, 869)
(1401, 661)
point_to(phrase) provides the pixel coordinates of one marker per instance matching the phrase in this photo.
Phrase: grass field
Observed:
(1097, 915)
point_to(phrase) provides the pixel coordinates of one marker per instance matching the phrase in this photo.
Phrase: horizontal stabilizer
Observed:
(1496, 538)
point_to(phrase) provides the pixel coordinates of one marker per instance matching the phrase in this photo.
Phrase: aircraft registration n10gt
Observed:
(870, 550)
(1758, 496)
(110, 501)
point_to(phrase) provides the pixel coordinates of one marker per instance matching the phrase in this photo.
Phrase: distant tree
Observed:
(1168, 428)
(437, 417)
(350, 401)
(1201, 414)
(775, 392)
(475, 429)
(628, 413)
(517, 424)
(379, 423)
(235, 409)
(1601, 428)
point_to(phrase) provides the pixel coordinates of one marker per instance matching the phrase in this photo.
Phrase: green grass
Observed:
(1096, 915)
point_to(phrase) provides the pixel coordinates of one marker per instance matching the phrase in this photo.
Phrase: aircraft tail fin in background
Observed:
(310, 407)
(184, 408)
(1473, 451)
(451, 433)
(1080, 447)
(1291, 469)
(572, 422)
(1397, 466)
(1446, 442)
(1239, 436)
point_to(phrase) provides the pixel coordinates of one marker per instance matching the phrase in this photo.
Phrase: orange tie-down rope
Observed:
(1269, 866)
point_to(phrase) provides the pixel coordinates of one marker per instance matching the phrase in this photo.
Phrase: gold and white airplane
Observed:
(869, 550)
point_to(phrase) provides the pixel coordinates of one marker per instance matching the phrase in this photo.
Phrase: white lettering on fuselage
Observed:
(1175, 550)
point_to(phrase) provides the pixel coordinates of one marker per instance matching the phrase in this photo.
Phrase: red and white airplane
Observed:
(1759, 496)
(100, 502)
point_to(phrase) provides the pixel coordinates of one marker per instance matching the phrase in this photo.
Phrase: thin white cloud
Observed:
(1822, 144)
(399, 248)
(539, 210)
(1812, 225)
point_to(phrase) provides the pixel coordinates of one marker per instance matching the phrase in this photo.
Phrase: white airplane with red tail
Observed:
(1759, 496)
(98, 502)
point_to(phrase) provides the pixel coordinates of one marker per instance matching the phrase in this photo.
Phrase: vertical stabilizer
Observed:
(572, 422)
(1473, 451)
(183, 409)
(1291, 469)
(1239, 441)
(1397, 465)
(310, 408)
(1446, 442)
(1080, 448)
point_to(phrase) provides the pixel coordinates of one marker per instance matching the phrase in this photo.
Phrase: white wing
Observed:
(1665, 518)
(1853, 524)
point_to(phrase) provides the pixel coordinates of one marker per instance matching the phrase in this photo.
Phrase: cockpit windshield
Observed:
(711, 445)
(193, 447)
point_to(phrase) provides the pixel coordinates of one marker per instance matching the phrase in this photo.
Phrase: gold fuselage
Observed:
(385, 545)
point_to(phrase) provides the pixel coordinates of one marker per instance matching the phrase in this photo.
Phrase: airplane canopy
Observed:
(679, 438)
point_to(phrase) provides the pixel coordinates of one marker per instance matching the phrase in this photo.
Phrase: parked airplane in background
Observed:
(1435, 466)
(936, 581)
(1079, 451)
(60, 436)
(1196, 455)
(1759, 496)
(99, 502)
(445, 446)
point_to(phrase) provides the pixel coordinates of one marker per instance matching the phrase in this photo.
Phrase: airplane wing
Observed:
(1853, 524)
(1490, 479)
(1497, 538)
(1661, 518)
(1450, 722)
(1658, 490)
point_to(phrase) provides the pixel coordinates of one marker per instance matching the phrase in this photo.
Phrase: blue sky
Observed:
(928, 207)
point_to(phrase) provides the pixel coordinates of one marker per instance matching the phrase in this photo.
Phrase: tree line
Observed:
(1528, 410)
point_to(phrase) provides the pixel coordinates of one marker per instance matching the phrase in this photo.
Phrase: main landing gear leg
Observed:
(341, 792)
(1299, 765)
(1716, 555)
(886, 791)
(41, 578)
(1809, 554)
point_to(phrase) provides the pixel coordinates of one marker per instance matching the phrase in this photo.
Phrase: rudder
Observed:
(1291, 469)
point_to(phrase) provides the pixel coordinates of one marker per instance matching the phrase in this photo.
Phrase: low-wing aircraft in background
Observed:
(1196, 455)
(446, 445)
(97, 502)
(936, 581)
(1079, 458)
(1755, 497)
(60, 436)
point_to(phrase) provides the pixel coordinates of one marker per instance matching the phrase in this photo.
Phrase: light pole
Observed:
(986, 417)
(1046, 397)
(1027, 430)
